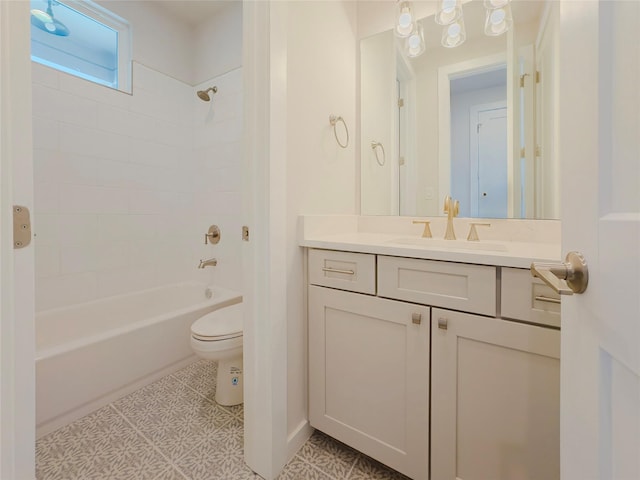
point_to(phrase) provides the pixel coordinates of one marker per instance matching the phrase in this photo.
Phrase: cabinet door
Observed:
(369, 376)
(495, 399)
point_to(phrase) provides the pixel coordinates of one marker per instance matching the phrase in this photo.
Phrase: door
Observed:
(369, 376)
(495, 401)
(17, 389)
(599, 131)
(488, 159)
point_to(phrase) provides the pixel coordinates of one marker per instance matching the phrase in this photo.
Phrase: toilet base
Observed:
(229, 383)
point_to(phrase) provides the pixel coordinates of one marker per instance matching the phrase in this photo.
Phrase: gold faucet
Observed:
(451, 208)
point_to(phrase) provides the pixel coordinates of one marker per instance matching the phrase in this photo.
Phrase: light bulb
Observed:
(498, 21)
(404, 19)
(448, 12)
(495, 3)
(415, 42)
(454, 34)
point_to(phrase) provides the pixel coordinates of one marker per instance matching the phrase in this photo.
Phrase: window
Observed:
(82, 38)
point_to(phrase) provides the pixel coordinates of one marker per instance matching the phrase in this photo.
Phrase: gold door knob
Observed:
(573, 273)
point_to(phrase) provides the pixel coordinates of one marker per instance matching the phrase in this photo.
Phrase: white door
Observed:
(17, 389)
(488, 152)
(599, 135)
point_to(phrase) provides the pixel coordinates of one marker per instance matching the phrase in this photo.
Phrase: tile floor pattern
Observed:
(173, 430)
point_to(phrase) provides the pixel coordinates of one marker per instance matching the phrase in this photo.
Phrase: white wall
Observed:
(218, 43)
(321, 176)
(159, 41)
(378, 97)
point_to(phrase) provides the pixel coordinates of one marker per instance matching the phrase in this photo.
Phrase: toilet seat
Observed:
(223, 324)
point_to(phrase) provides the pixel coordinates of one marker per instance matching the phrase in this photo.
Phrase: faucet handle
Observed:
(473, 233)
(213, 235)
(426, 233)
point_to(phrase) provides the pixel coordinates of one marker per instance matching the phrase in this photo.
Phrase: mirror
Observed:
(475, 121)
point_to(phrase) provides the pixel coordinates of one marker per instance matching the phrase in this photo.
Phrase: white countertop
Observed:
(506, 254)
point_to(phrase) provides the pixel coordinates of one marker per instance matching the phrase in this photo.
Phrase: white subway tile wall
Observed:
(127, 185)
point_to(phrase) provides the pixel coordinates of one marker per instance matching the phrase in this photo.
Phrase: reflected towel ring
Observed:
(333, 120)
(374, 147)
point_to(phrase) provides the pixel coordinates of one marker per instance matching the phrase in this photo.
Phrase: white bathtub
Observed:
(90, 354)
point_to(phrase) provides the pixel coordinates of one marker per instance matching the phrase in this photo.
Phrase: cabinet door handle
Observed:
(337, 270)
(542, 298)
(443, 323)
(416, 318)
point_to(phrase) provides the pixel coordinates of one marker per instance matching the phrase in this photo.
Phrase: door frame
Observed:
(17, 332)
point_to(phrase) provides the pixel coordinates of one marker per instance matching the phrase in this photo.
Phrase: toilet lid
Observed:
(220, 324)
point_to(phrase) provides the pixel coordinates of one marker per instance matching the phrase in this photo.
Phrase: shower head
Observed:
(204, 94)
(45, 21)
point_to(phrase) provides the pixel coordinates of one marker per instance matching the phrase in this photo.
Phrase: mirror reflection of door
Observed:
(479, 151)
(488, 160)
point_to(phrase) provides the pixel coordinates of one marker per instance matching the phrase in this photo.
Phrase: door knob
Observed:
(567, 278)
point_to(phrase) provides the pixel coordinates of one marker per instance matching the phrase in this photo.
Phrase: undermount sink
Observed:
(449, 244)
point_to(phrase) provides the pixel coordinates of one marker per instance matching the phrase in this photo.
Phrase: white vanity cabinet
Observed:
(369, 376)
(411, 362)
(495, 399)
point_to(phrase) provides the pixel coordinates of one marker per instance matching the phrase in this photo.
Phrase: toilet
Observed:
(218, 336)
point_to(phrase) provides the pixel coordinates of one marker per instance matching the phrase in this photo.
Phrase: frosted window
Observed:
(83, 39)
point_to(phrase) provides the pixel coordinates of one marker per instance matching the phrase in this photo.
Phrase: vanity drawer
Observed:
(527, 298)
(458, 286)
(355, 272)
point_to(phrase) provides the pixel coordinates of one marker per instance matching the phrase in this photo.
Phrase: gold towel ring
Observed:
(374, 147)
(333, 120)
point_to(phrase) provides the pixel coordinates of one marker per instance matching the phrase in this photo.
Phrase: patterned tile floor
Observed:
(174, 430)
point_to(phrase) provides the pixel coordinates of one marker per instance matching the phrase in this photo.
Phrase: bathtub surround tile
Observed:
(58, 291)
(44, 75)
(159, 153)
(45, 132)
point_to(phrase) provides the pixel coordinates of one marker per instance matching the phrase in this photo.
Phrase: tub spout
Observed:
(212, 262)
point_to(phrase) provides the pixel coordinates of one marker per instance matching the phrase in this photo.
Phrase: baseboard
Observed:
(72, 415)
(298, 437)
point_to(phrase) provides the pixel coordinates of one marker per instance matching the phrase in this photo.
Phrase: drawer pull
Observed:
(443, 323)
(547, 299)
(337, 270)
(416, 318)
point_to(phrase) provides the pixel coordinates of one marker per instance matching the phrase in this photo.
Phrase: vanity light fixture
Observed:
(454, 34)
(448, 12)
(414, 44)
(405, 20)
(498, 17)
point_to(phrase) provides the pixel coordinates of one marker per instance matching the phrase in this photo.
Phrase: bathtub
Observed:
(88, 355)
